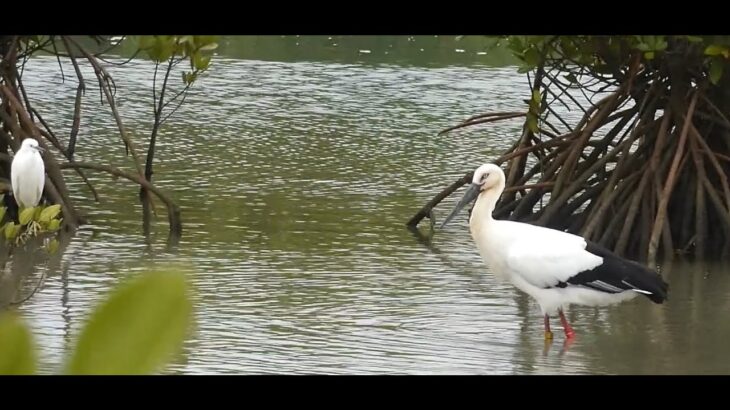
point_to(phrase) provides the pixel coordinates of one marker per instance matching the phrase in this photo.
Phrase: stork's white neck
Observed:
(485, 203)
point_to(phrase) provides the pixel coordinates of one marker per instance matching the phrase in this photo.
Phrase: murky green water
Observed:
(295, 173)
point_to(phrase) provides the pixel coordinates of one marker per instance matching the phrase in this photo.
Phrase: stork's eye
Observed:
(484, 177)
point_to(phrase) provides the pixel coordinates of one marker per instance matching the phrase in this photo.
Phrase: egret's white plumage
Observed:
(556, 268)
(28, 174)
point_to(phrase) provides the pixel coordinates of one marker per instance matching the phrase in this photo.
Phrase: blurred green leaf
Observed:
(10, 230)
(208, 47)
(146, 42)
(154, 53)
(53, 245)
(54, 224)
(515, 44)
(714, 50)
(532, 57)
(523, 69)
(49, 213)
(536, 97)
(201, 63)
(569, 49)
(532, 123)
(544, 106)
(162, 48)
(178, 49)
(189, 78)
(167, 48)
(204, 40)
(193, 56)
(16, 346)
(694, 39)
(189, 49)
(137, 329)
(2, 213)
(716, 69)
(649, 55)
(26, 215)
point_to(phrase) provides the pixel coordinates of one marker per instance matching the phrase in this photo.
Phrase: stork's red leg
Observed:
(569, 333)
(548, 333)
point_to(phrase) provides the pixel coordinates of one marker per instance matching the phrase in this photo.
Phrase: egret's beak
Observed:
(471, 194)
(40, 149)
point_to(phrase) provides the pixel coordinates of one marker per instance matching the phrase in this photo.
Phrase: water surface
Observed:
(295, 176)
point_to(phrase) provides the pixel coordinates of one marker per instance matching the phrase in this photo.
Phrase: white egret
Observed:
(556, 268)
(28, 174)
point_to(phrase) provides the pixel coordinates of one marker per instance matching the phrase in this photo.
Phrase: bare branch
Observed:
(173, 210)
(482, 121)
(174, 109)
(58, 58)
(80, 90)
(103, 77)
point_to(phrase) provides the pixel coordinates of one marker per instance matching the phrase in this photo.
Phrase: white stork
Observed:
(556, 268)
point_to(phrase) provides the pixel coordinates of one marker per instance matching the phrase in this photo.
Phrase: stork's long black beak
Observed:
(470, 195)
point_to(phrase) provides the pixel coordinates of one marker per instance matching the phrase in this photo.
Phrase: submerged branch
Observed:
(172, 208)
(426, 210)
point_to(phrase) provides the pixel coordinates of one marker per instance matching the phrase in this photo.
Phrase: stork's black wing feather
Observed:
(617, 274)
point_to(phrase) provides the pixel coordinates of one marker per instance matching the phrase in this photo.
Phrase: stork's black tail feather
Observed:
(627, 274)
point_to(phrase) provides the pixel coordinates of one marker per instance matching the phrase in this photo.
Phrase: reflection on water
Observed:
(295, 180)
